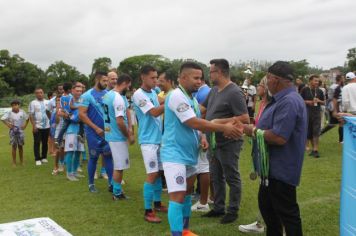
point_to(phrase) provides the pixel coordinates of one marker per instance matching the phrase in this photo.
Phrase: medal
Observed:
(253, 176)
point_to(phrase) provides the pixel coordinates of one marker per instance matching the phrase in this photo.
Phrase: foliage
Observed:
(102, 64)
(351, 59)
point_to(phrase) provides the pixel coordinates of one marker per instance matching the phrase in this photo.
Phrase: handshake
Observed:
(231, 128)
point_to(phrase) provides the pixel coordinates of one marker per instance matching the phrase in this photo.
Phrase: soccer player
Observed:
(181, 142)
(91, 114)
(65, 107)
(73, 146)
(117, 131)
(148, 111)
(16, 120)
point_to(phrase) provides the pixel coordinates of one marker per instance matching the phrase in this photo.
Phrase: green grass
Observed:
(31, 191)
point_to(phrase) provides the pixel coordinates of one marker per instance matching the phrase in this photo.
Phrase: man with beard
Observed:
(91, 114)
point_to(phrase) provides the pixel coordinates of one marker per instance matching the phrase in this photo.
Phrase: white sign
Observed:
(33, 227)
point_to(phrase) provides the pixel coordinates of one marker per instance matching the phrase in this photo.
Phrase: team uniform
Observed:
(92, 100)
(115, 106)
(17, 136)
(72, 146)
(149, 138)
(179, 154)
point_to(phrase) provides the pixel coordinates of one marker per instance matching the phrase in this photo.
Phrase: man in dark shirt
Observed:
(313, 98)
(224, 103)
(283, 125)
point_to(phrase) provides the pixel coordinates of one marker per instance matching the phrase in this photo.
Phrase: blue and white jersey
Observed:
(93, 100)
(149, 127)
(180, 143)
(127, 104)
(52, 105)
(73, 127)
(38, 110)
(65, 103)
(114, 106)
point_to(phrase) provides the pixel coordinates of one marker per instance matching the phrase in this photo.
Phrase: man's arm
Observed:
(121, 124)
(156, 111)
(83, 116)
(269, 136)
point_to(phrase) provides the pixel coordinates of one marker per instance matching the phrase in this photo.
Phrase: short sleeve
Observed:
(25, 115)
(181, 107)
(237, 102)
(119, 106)
(142, 101)
(31, 108)
(284, 121)
(6, 116)
(206, 101)
(253, 91)
(84, 100)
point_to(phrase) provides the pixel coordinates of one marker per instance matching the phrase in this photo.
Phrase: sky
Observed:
(78, 31)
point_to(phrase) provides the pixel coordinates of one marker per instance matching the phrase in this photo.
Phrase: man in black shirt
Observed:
(313, 97)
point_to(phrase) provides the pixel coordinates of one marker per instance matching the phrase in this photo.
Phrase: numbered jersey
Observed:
(114, 106)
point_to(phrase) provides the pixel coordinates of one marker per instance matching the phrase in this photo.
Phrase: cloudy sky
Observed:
(77, 32)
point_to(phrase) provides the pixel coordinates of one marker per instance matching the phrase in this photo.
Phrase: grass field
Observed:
(31, 191)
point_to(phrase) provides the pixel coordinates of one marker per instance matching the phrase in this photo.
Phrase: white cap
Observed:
(350, 75)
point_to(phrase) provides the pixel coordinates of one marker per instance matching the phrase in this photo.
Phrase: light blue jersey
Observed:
(73, 127)
(180, 143)
(114, 106)
(149, 127)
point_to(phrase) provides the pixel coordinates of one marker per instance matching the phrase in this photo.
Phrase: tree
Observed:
(60, 72)
(351, 59)
(132, 66)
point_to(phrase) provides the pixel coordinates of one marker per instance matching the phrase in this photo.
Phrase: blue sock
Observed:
(117, 189)
(92, 168)
(109, 167)
(84, 155)
(187, 211)
(69, 162)
(102, 170)
(148, 195)
(157, 190)
(175, 218)
(76, 161)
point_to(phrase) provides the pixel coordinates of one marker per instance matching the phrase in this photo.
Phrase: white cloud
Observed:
(79, 31)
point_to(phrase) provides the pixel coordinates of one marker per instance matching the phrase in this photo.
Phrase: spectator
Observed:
(313, 98)
(39, 118)
(349, 94)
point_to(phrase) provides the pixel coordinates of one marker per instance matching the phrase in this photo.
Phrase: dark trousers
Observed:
(224, 169)
(40, 137)
(279, 207)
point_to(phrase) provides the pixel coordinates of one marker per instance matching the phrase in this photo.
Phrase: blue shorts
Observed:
(97, 146)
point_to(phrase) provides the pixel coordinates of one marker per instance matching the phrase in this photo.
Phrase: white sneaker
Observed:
(210, 201)
(38, 163)
(60, 167)
(200, 207)
(104, 176)
(77, 175)
(72, 178)
(255, 227)
(80, 169)
(44, 161)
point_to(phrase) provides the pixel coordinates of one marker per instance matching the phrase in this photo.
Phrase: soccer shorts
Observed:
(72, 143)
(150, 154)
(176, 176)
(203, 163)
(120, 155)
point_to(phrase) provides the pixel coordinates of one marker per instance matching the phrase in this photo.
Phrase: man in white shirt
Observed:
(39, 118)
(349, 94)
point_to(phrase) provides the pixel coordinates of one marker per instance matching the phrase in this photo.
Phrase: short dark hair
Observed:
(169, 75)
(222, 64)
(312, 77)
(146, 69)
(99, 74)
(338, 78)
(15, 101)
(190, 65)
(38, 88)
(123, 78)
(67, 86)
(282, 69)
(49, 94)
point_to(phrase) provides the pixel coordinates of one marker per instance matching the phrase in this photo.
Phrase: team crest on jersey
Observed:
(179, 180)
(93, 152)
(120, 108)
(142, 103)
(71, 145)
(182, 107)
(152, 164)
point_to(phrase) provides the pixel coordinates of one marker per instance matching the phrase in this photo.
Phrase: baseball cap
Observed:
(282, 69)
(350, 75)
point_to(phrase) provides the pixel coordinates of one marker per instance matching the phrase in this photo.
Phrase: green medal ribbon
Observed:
(263, 151)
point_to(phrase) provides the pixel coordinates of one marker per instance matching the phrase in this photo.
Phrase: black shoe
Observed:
(120, 196)
(228, 218)
(311, 154)
(316, 154)
(110, 189)
(213, 213)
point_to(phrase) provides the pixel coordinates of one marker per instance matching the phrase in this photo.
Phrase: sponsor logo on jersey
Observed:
(182, 107)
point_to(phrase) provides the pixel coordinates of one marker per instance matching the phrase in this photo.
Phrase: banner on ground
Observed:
(33, 227)
(348, 181)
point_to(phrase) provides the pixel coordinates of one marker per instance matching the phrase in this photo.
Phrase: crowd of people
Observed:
(188, 130)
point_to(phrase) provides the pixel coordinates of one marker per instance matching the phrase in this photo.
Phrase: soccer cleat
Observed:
(152, 218)
(228, 218)
(187, 232)
(161, 208)
(200, 207)
(72, 178)
(44, 160)
(92, 188)
(213, 213)
(255, 227)
(38, 163)
(110, 189)
(120, 196)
